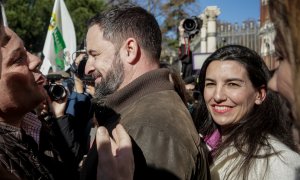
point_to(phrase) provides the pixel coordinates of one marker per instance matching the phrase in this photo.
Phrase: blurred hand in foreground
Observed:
(115, 157)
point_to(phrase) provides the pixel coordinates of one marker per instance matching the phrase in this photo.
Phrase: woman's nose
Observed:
(219, 94)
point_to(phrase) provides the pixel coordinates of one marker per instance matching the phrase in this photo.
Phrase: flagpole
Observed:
(3, 16)
(1, 20)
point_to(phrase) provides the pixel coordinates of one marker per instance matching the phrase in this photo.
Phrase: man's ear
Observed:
(261, 94)
(130, 51)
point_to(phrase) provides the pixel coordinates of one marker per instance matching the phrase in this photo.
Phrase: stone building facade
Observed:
(254, 34)
(267, 35)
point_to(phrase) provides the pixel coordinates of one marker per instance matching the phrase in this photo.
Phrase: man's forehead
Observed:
(13, 40)
(94, 33)
(95, 40)
(12, 48)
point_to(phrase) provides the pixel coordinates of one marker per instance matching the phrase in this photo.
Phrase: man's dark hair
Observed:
(127, 20)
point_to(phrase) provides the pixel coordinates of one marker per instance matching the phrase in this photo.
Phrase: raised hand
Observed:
(115, 157)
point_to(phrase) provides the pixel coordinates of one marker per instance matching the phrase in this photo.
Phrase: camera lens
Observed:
(55, 91)
(192, 26)
(189, 24)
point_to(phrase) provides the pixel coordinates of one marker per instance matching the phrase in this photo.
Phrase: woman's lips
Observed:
(221, 109)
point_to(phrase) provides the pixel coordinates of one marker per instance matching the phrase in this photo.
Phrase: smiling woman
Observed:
(249, 118)
(229, 93)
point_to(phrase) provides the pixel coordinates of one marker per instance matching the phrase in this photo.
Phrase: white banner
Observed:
(60, 42)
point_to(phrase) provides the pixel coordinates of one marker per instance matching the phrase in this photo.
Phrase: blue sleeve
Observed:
(77, 104)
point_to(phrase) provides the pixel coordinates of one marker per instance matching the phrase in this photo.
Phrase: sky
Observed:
(233, 10)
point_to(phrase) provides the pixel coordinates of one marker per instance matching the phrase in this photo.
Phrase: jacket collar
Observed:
(152, 81)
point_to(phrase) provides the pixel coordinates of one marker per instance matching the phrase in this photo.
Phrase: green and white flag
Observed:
(60, 41)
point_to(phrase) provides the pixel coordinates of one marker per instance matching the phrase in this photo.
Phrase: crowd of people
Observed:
(130, 120)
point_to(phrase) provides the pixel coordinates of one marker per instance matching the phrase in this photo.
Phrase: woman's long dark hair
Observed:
(251, 133)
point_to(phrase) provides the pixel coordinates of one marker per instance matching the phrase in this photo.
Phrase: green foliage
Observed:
(169, 14)
(81, 11)
(29, 22)
(30, 18)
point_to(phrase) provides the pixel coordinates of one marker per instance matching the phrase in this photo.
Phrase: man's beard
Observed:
(112, 81)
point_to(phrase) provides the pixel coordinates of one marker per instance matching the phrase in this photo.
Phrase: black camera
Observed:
(55, 91)
(192, 25)
(79, 70)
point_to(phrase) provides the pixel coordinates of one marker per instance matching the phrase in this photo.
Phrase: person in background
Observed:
(79, 102)
(285, 17)
(59, 147)
(124, 46)
(79, 94)
(243, 121)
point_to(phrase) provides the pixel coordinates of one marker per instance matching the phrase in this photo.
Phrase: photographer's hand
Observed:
(49, 107)
(78, 84)
(58, 107)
